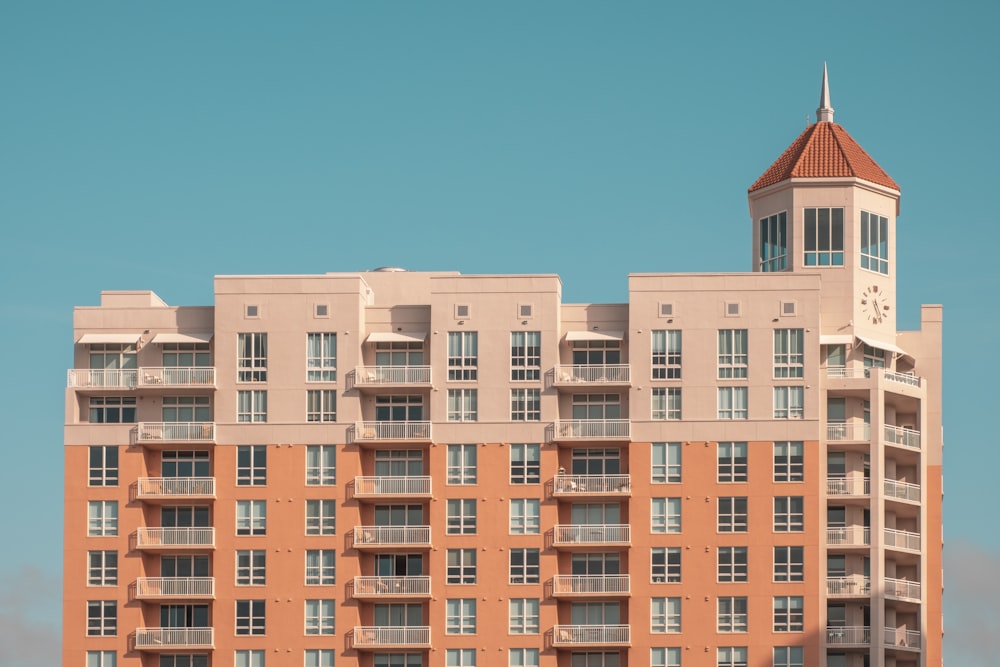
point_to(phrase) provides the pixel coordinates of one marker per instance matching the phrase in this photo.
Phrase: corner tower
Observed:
(826, 206)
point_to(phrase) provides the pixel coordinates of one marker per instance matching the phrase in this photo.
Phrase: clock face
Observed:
(875, 304)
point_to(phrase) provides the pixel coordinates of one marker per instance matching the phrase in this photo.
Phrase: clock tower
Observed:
(825, 206)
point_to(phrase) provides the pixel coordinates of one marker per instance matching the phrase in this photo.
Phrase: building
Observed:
(393, 469)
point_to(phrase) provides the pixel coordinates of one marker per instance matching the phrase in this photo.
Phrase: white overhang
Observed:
(888, 347)
(594, 335)
(114, 338)
(161, 338)
(396, 337)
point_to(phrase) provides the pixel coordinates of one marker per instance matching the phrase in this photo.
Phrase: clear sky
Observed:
(152, 145)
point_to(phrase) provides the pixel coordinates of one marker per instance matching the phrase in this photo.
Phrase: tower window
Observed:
(874, 242)
(773, 243)
(824, 232)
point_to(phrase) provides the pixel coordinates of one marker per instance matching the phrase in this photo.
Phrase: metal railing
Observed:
(391, 486)
(848, 431)
(901, 638)
(902, 588)
(904, 437)
(902, 378)
(849, 634)
(374, 431)
(417, 586)
(380, 536)
(600, 374)
(568, 534)
(175, 431)
(373, 376)
(582, 635)
(593, 429)
(849, 586)
(846, 372)
(161, 638)
(177, 376)
(174, 537)
(392, 635)
(174, 587)
(858, 536)
(848, 486)
(902, 490)
(101, 378)
(593, 584)
(902, 539)
(600, 485)
(174, 487)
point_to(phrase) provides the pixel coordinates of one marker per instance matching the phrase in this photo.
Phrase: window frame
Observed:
(251, 465)
(525, 404)
(669, 570)
(102, 567)
(523, 621)
(732, 514)
(732, 462)
(666, 519)
(102, 618)
(251, 567)
(525, 356)
(789, 613)
(251, 406)
(733, 354)
(463, 405)
(526, 470)
(461, 572)
(814, 254)
(528, 570)
(874, 244)
(789, 514)
(103, 471)
(732, 565)
(319, 572)
(250, 617)
(463, 356)
(525, 516)
(460, 521)
(459, 470)
(460, 616)
(319, 471)
(321, 356)
(671, 472)
(321, 405)
(772, 253)
(321, 516)
(666, 354)
(789, 465)
(665, 619)
(790, 566)
(320, 616)
(104, 522)
(666, 404)
(251, 357)
(733, 403)
(732, 614)
(789, 360)
(254, 517)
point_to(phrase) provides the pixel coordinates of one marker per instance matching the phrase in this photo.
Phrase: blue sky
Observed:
(153, 145)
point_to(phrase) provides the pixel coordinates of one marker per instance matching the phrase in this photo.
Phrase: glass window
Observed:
(463, 405)
(463, 355)
(733, 403)
(250, 619)
(525, 405)
(824, 231)
(666, 565)
(460, 616)
(251, 517)
(251, 357)
(789, 564)
(249, 658)
(251, 567)
(321, 567)
(396, 408)
(399, 353)
(112, 410)
(319, 657)
(321, 357)
(874, 242)
(732, 614)
(251, 465)
(524, 566)
(523, 616)
(251, 406)
(187, 355)
(789, 353)
(321, 405)
(525, 355)
(732, 463)
(732, 514)
(665, 515)
(666, 354)
(789, 656)
(103, 465)
(788, 614)
(525, 464)
(666, 462)
(462, 467)
(462, 516)
(788, 402)
(186, 409)
(102, 568)
(788, 461)
(788, 514)
(733, 355)
(523, 657)
(461, 566)
(321, 517)
(101, 659)
(102, 618)
(459, 657)
(102, 518)
(665, 657)
(321, 465)
(320, 617)
(731, 656)
(665, 614)
(773, 243)
(525, 518)
(666, 403)
(732, 564)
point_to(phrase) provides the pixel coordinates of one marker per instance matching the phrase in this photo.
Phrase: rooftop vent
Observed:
(388, 269)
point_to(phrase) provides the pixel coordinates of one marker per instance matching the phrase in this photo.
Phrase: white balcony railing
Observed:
(902, 539)
(592, 429)
(167, 638)
(177, 376)
(598, 374)
(376, 431)
(371, 636)
(174, 487)
(375, 376)
(416, 586)
(175, 431)
(174, 587)
(381, 487)
(101, 378)
(591, 485)
(154, 538)
(849, 586)
(390, 536)
(591, 635)
(902, 378)
(901, 638)
(857, 536)
(593, 584)
(902, 490)
(840, 431)
(583, 534)
(857, 635)
(904, 437)
(847, 372)
(903, 589)
(848, 486)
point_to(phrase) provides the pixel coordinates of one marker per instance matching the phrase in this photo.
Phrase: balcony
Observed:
(901, 437)
(848, 536)
(589, 429)
(176, 377)
(896, 490)
(101, 378)
(580, 376)
(847, 373)
(851, 586)
(384, 377)
(170, 539)
(849, 635)
(378, 432)
(168, 639)
(168, 432)
(902, 539)
(570, 536)
(848, 432)
(579, 486)
(594, 585)
(907, 379)
(386, 588)
(902, 589)
(848, 486)
(389, 537)
(152, 489)
(392, 487)
(173, 588)
(901, 638)
(368, 637)
(573, 636)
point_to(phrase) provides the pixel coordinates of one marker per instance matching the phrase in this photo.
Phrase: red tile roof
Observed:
(824, 150)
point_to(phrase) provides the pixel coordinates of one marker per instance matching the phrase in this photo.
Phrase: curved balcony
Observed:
(382, 537)
(593, 585)
(168, 639)
(392, 487)
(590, 635)
(577, 486)
(368, 637)
(570, 536)
(174, 488)
(174, 588)
(384, 588)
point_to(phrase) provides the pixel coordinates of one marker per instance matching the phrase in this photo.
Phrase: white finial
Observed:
(825, 112)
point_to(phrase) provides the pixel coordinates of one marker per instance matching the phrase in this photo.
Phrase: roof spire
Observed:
(825, 112)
